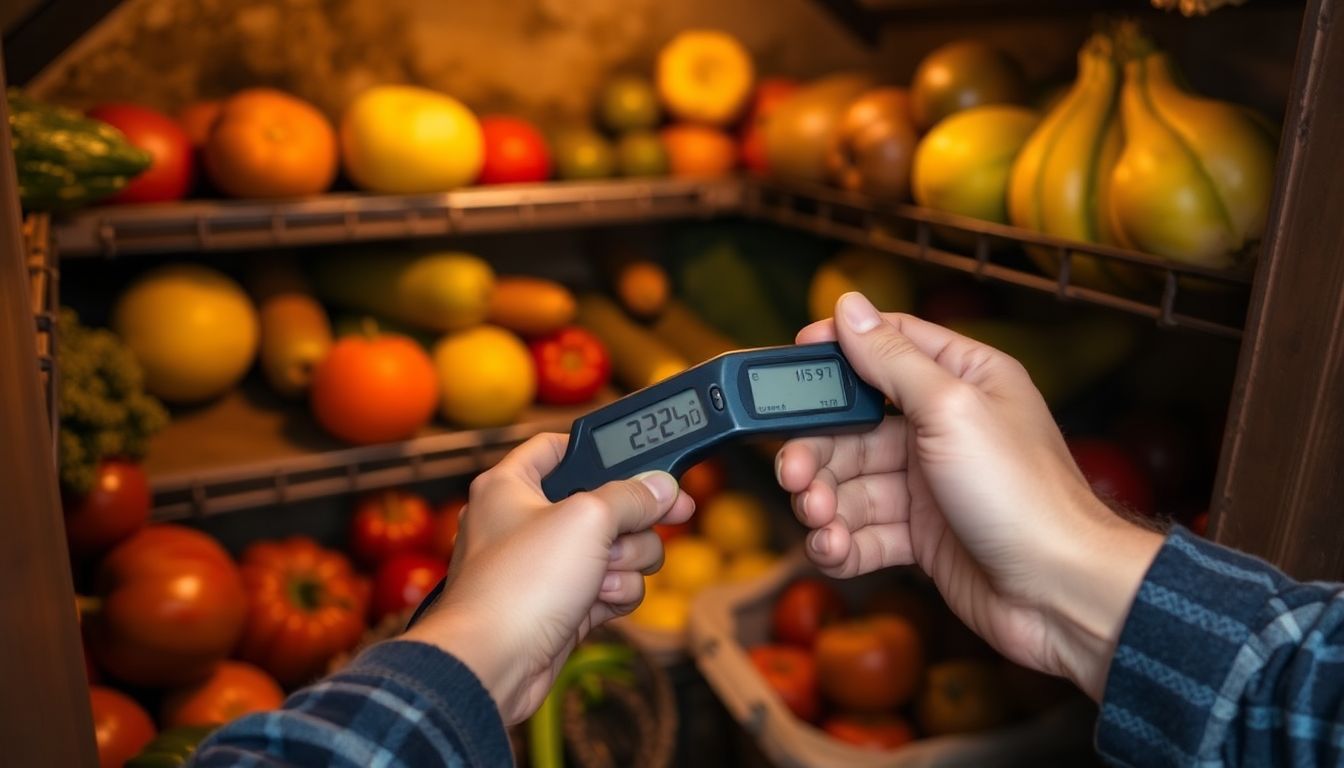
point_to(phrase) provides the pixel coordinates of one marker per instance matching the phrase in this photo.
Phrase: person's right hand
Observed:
(974, 483)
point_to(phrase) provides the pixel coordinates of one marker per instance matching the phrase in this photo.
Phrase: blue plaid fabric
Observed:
(1225, 661)
(399, 704)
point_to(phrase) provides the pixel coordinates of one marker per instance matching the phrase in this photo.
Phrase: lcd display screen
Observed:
(814, 385)
(650, 427)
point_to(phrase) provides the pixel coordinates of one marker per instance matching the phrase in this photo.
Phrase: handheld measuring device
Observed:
(788, 391)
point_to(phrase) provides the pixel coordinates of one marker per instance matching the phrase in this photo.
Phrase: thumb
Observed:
(635, 504)
(885, 358)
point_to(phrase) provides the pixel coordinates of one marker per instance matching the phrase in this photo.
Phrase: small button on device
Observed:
(716, 397)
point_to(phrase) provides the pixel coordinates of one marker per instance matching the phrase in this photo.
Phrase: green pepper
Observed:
(172, 748)
(585, 667)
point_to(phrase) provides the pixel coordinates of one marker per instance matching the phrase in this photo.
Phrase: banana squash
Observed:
(1194, 179)
(1061, 180)
(64, 159)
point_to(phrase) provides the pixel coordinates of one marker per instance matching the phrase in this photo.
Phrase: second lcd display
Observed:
(793, 387)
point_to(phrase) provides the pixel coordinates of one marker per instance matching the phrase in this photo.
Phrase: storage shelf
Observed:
(1206, 300)
(111, 231)
(264, 452)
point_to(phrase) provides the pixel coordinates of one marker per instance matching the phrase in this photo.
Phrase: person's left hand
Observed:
(530, 579)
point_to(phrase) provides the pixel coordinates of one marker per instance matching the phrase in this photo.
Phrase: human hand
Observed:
(529, 578)
(974, 483)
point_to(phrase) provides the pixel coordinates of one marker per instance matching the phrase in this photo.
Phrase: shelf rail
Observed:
(912, 232)
(232, 225)
(200, 494)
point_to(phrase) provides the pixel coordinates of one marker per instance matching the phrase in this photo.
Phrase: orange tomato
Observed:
(266, 143)
(234, 689)
(120, 727)
(305, 605)
(698, 151)
(373, 389)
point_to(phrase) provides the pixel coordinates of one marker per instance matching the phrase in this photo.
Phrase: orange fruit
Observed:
(643, 288)
(266, 143)
(734, 522)
(697, 151)
(690, 564)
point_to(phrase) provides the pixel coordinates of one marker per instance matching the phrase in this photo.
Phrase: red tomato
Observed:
(374, 389)
(172, 607)
(770, 93)
(1113, 475)
(236, 688)
(792, 673)
(572, 365)
(870, 731)
(173, 168)
(515, 151)
(115, 507)
(403, 582)
(446, 522)
(305, 605)
(388, 523)
(869, 665)
(703, 481)
(120, 726)
(803, 609)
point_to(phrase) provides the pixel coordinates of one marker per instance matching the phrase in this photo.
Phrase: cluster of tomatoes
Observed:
(174, 618)
(903, 668)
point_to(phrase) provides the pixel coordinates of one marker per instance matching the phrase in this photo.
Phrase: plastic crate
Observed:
(725, 621)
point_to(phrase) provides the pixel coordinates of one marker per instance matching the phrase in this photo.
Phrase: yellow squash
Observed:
(1060, 181)
(1194, 179)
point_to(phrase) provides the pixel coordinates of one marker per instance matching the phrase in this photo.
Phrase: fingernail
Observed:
(779, 467)
(611, 582)
(821, 542)
(858, 312)
(802, 504)
(661, 484)
(616, 550)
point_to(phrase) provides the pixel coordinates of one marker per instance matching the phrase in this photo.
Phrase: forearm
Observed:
(1223, 660)
(398, 704)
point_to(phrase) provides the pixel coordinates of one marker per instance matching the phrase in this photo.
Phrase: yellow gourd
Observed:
(1194, 179)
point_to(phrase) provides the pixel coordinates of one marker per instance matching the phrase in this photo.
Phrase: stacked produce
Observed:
(727, 541)
(1127, 156)
(899, 668)
(262, 143)
(183, 630)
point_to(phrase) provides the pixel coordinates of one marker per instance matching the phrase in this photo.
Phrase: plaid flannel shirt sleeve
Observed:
(398, 704)
(1223, 660)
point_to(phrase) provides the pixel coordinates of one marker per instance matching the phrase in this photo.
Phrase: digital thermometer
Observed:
(672, 425)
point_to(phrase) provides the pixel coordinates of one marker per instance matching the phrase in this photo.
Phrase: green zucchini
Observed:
(65, 159)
